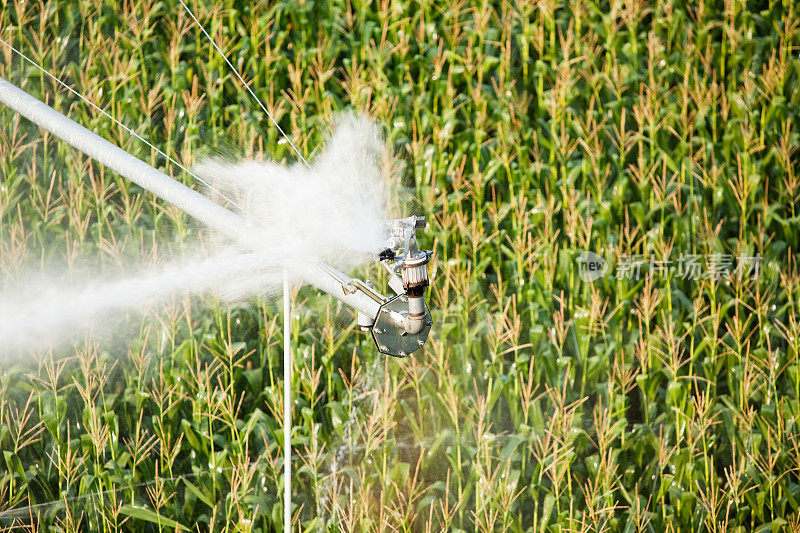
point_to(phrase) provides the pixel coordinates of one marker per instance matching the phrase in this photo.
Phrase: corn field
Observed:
(663, 395)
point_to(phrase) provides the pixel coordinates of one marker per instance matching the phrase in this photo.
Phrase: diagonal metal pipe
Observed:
(187, 200)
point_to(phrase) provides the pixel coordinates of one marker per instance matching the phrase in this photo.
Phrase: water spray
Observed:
(399, 324)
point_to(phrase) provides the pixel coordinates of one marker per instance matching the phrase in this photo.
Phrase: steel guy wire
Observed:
(247, 87)
(120, 124)
(26, 510)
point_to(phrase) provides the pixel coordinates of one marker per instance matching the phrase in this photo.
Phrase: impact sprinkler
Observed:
(399, 324)
(402, 322)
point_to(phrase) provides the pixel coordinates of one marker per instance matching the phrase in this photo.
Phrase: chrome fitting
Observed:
(415, 273)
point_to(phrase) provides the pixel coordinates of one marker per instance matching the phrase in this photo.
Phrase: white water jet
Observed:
(50, 313)
(332, 212)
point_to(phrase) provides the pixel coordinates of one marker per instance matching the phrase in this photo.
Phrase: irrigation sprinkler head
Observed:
(402, 322)
(406, 263)
(399, 325)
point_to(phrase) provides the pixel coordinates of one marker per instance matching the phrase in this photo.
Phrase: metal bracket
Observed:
(388, 332)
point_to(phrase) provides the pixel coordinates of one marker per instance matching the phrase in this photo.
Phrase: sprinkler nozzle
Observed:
(415, 279)
(403, 322)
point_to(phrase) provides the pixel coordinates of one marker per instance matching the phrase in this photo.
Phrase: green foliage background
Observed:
(529, 133)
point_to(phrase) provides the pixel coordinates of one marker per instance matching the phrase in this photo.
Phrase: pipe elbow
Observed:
(415, 321)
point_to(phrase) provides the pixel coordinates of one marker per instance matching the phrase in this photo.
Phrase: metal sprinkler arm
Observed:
(330, 280)
(399, 325)
(115, 158)
(187, 200)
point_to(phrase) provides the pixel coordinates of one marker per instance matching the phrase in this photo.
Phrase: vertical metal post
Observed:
(287, 406)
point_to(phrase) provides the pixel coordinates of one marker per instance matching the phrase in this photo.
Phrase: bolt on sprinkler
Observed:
(403, 321)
